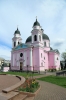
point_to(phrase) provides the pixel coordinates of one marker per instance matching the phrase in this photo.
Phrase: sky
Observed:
(51, 14)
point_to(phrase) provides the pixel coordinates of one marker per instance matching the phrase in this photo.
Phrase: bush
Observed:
(30, 85)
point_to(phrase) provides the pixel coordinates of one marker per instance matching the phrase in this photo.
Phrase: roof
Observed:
(21, 46)
(44, 36)
(56, 50)
(17, 31)
(36, 23)
(51, 48)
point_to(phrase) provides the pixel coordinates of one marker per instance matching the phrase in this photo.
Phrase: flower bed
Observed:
(30, 85)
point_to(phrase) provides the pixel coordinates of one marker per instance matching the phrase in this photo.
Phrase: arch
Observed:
(14, 44)
(35, 37)
(44, 44)
(18, 42)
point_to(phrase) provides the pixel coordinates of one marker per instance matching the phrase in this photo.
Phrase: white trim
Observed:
(24, 59)
(13, 59)
(31, 57)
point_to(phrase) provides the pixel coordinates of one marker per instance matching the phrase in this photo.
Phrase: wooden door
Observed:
(21, 65)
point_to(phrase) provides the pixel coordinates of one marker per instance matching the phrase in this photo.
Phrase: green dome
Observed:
(17, 31)
(51, 48)
(36, 23)
(44, 36)
(29, 39)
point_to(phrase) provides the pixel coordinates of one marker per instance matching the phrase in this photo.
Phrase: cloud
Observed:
(5, 52)
(59, 42)
(51, 15)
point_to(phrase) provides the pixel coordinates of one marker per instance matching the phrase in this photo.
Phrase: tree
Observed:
(63, 55)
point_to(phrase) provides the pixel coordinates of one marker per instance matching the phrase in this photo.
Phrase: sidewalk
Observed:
(50, 91)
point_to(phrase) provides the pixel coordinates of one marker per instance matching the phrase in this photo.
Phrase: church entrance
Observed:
(21, 64)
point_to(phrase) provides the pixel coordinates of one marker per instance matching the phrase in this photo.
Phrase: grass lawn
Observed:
(21, 73)
(58, 80)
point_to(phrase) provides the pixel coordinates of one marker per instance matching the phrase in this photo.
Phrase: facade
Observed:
(36, 53)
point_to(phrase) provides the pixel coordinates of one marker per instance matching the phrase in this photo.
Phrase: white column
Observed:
(13, 60)
(32, 38)
(37, 37)
(16, 42)
(17, 59)
(30, 56)
(24, 58)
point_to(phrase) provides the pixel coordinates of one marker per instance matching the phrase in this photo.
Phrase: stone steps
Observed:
(29, 98)
(8, 95)
(19, 97)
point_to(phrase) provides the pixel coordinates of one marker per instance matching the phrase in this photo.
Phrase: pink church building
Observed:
(35, 53)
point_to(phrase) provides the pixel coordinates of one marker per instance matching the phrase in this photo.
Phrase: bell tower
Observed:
(16, 40)
(37, 34)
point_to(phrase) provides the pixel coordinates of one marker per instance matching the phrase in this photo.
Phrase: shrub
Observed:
(30, 85)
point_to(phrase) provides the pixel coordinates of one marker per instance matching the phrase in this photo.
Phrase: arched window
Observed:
(42, 64)
(44, 58)
(44, 44)
(21, 54)
(35, 38)
(57, 58)
(39, 38)
(41, 55)
(18, 42)
(14, 44)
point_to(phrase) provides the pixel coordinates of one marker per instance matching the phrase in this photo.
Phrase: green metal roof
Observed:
(17, 31)
(20, 46)
(51, 48)
(36, 23)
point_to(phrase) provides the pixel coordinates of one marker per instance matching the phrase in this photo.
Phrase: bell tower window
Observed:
(14, 44)
(18, 42)
(44, 44)
(35, 38)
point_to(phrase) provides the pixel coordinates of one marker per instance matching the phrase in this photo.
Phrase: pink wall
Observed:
(57, 62)
(47, 48)
(36, 58)
(6, 69)
(51, 60)
(46, 60)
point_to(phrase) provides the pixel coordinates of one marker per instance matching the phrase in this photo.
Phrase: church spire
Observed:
(36, 18)
(36, 23)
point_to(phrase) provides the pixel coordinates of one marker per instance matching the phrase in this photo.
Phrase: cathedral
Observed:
(36, 53)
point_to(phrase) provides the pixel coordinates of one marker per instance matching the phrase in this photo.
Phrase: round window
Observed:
(21, 54)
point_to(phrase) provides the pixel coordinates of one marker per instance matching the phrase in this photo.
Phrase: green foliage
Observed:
(63, 55)
(58, 80)
(20, 73)
(52, 70)
(31, 86)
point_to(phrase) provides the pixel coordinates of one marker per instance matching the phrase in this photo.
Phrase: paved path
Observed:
(7, 81)
(50, 91)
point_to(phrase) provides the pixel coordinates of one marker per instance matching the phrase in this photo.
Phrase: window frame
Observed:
(35, 37)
